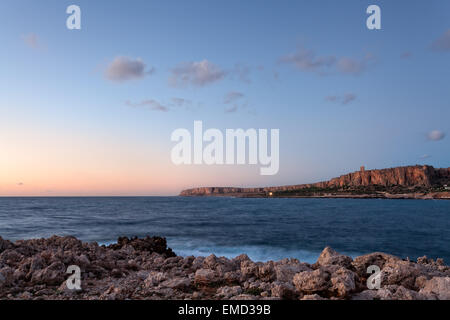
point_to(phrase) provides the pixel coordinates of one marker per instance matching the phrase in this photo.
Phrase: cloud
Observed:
(32, 40)
(180, 102)
(276, 75)
(231, 109)
(232, 97)
(435, 135)
(442, 43)
(20, 184)
(345, 99)
(354, 66)
(332, 98)
(349, 97)
(406, 55)
(123, 69)
(199, 73)
(149, 103)
(306, 60)
(425, 156)
(242, 72)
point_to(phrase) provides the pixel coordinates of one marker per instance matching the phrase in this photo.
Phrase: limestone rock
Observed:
(309, 282)
(438, 286)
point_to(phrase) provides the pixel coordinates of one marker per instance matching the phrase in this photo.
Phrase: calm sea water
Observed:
(263, 228)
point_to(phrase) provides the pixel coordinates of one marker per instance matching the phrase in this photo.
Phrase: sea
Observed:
(264, 229)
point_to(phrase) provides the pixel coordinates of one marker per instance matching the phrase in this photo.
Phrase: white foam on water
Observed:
(256, 253)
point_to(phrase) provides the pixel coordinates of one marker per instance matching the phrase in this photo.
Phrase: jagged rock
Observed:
(154, 279)
(210, 262)
(177, 283)
(438, 286)
(243, 297)
(331, 257)
(266, 272)
(286, 272)
(312, 297)
(309, 282)
(342, 283)
(150, 244)
(143, 269)
(228, 292)
(283, 291)
(249, 269)
(205, 277)
(5, 244)
(379, 259)
(404, 273)
(51, 275)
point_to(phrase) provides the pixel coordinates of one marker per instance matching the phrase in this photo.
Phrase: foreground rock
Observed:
(147, 269)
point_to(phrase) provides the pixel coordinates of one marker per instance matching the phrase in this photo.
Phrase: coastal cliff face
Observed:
(410, 176)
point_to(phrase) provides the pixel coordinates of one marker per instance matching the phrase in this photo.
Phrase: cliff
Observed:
(425, 177)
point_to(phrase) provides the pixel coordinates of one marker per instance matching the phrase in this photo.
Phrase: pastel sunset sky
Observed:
(91, 111)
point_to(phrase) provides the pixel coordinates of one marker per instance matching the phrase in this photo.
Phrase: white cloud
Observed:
(436, 135)
(199, 73)
(149, 103)
(306, 60)
(123, 69)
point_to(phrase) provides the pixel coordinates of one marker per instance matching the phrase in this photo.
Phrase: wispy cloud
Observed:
(345, 99)
(306, 60)
(442, 43)
(242, 72)
(406, 55)
(354, 66)
(150, 104)
(349, 97)
(20, 184)
(199, 73)
(231, 109)
(124, 68)
(425, 156)
(32, 40)
(232, 96)
(180, 102)
(436, 135)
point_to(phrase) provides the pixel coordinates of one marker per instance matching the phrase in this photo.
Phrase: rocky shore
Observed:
(147, 269)
(410, 182)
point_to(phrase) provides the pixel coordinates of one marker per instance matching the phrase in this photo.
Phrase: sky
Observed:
(91, 111)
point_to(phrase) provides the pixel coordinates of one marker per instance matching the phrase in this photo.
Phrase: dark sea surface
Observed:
(265, 229)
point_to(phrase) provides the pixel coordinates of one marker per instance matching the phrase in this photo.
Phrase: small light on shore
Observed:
(270, 194)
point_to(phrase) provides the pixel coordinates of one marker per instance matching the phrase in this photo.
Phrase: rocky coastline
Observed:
(146, 269)
(409, 182)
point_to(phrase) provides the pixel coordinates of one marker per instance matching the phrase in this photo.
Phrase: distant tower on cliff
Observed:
(362, 169)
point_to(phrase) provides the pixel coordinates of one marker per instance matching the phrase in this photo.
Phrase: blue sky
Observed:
(75, 120)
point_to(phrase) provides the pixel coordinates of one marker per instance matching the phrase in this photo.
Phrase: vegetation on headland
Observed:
(373, 190)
